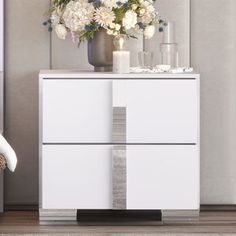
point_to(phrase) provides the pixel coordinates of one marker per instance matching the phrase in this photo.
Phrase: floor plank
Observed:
(26, 222)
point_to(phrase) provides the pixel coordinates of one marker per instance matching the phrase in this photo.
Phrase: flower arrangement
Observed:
(83, 18)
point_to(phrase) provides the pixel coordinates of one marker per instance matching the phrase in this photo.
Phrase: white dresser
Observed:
(121, 142)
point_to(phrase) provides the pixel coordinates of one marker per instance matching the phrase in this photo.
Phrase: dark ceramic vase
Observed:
(100, 50)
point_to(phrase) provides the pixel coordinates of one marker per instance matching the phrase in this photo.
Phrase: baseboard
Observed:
(218, 208)
(21, 207)
(35, 207)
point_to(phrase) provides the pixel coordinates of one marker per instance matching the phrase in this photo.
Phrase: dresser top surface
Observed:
(79, 74)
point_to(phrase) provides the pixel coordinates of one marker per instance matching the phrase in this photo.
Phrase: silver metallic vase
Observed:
(100, 50)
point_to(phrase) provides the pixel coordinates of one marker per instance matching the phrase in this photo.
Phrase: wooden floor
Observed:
(23, 222)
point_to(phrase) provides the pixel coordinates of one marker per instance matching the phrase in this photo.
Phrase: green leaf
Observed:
(119, 13)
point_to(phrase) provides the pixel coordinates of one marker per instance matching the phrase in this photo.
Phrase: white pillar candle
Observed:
(121, 62)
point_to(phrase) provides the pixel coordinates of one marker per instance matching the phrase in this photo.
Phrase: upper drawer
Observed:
(77, 111)
(156, 111)
(162, 111)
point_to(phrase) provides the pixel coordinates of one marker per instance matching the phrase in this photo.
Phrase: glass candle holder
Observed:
(169, 48)
(169, 54)
(145, 59)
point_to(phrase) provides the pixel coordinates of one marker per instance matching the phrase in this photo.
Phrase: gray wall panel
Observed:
(27, 51)
(67, 55)
(1, 191)
(213, 50)
(1, 90)
(179, 12)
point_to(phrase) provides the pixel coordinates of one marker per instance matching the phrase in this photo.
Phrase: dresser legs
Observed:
(179, 215)
(69, 217)
(58, 216)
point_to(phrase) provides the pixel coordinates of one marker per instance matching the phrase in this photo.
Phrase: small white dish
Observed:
(182, 70)
(164, 68)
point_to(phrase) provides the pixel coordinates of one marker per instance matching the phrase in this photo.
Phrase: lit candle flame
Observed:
(121, 43)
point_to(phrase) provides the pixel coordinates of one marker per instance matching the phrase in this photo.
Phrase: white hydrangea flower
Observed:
(136, 31)
(112, 25)
(130, 20)
(122, 1)
(147, 12)
(61, 31)
(56, 16)
(146, 18)
(109, 3)
(117, 27)
(148, 6)
(113, 3)
(142, 11)
(78, 14)
(110, 32)
(149, 31)
(113, 29)
(104, 16)
(134, 7)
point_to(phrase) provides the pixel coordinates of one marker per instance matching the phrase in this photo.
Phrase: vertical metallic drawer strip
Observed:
(119, 178)
(119, 158)
(119, 125)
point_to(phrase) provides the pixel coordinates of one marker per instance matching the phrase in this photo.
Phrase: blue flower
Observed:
(161, 29)
(88, 27)
(97, 25)
(119, 3)
(126, 5)
(141, 25)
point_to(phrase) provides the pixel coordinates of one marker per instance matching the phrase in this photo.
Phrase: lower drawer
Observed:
(163, 177)
(157, 177)
(76, 177)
